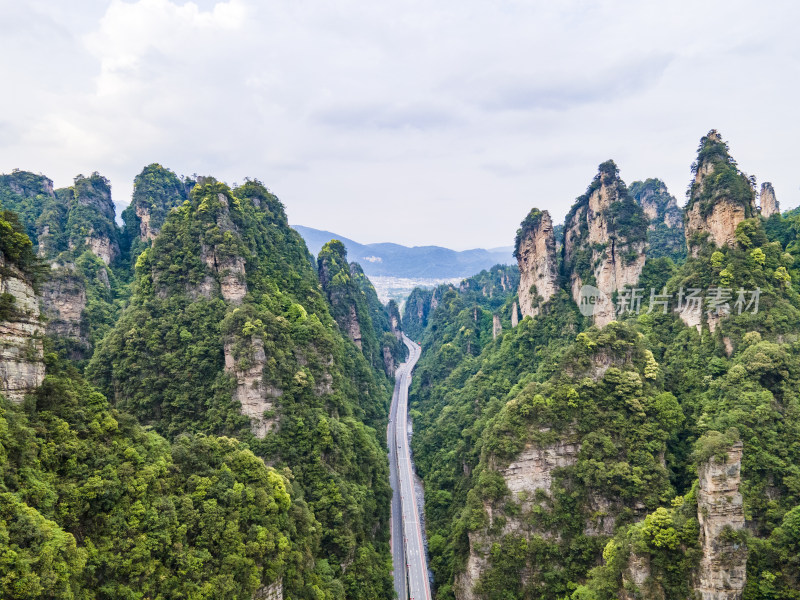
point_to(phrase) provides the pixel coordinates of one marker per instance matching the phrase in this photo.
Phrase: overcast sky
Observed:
(418, 122)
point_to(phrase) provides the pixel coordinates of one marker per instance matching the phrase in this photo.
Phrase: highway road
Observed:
(408, 551)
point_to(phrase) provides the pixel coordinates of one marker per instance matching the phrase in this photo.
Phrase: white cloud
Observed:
(137, 41)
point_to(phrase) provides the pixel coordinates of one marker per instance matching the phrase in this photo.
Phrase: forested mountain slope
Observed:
(651, 454)
(223, 329)
(488, 289)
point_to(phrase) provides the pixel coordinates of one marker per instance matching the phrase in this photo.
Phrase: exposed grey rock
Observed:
(615, 262)
(767, 201)
(251, 392)
(21, 350)
(536, 257)
(723, 566)
(719, 220)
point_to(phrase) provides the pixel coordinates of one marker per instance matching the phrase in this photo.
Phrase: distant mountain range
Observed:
(394, 260)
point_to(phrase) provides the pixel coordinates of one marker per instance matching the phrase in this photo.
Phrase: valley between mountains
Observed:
(192, 405)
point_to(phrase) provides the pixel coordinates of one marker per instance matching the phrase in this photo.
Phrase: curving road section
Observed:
(408, 550)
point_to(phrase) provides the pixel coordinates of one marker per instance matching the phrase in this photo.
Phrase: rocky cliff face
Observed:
(635, 577)
(33, 198)
(224, 271)
(535, 251)
(156, 191)
(228, 270)
(665, 235)
(604, 241)
(720, 224)
(273, 591)
(768, 203)
(78, 236)
(103, 247)
(529, 479)
(723, 566)
(395, 322)
(255, 396)
(147, 231)
(21, 332)
(64, 302)
(29, 185)
(91, 218)
(352, 327)
(477, 563)
(337, 282)
(389, 362)
(533, 468)
(416, 312)
(720, 197)
(657, 203)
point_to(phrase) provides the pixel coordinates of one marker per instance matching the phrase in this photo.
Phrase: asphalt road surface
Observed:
(408, 552)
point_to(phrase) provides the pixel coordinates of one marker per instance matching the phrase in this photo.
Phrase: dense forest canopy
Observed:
(207, 401)
(144, 475)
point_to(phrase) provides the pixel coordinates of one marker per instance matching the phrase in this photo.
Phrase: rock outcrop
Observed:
(665, 235)
(27, 184)
(251, 392)
(535, 251)
(274, 591)
(337, 282)
(416, 312)
(352, 327)
(497, 327)
(229, 271)
(514, 315)
(147, 231)
(528, 476)
(36, 203)
(635, 577)
(156, 191)
(75, 219)
(477, 563)
(604, 241)
(21, 332)
(103, 247)
(70, 225)
(723, 566)
(657, 203)
(64, 302)
(91, 218)
(768, 203)
(389, 364)
(533, 468)
(720, 197)
(226, 268)
(395, 322)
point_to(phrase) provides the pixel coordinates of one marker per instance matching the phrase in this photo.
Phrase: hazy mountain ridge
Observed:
(396, 260)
